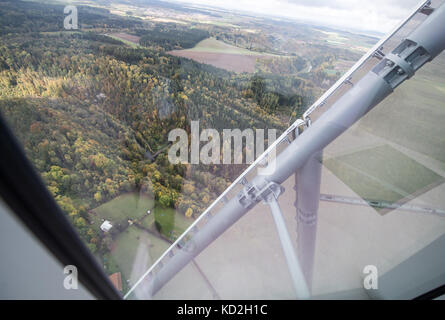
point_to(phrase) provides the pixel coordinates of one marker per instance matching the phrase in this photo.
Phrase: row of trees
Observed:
(270, 100)
(171, 37)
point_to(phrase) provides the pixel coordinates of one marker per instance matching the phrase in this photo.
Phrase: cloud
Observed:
(375, 15)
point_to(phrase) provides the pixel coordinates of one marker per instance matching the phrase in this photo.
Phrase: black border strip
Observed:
(430, 295)
(23, 190)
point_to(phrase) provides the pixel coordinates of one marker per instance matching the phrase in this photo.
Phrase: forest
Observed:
(89, 109)
(171, 37)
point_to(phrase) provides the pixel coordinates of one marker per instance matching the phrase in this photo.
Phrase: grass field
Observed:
(124, 253)
(147, 221)
(414, 114)
(217, 46)
(130, 40)
(222, 55)
(124, 207)
(383, 173)
(134, 206)
(126, 245)
(173, 224)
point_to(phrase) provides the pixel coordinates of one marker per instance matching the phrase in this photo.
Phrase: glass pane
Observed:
(382, 185)
(100, 95)
(372, 205)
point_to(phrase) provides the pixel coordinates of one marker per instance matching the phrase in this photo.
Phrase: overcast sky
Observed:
(373, 15)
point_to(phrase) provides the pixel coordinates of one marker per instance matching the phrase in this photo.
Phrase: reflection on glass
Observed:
(94, 107)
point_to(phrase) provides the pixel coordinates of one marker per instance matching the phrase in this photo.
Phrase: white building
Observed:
(106, 226)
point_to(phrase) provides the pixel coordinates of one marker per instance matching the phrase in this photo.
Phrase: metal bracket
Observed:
(307, 218)
(402, 62)
(271, 192)
(251, 194)
(244, 181)
(299, 128)
(378, 54)
(427, 9)
(348, 81)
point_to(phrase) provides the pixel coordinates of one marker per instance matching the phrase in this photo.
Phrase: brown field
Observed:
(227, 61)
(127, 37)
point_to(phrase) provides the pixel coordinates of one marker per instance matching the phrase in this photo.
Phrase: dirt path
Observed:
(142, 261)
